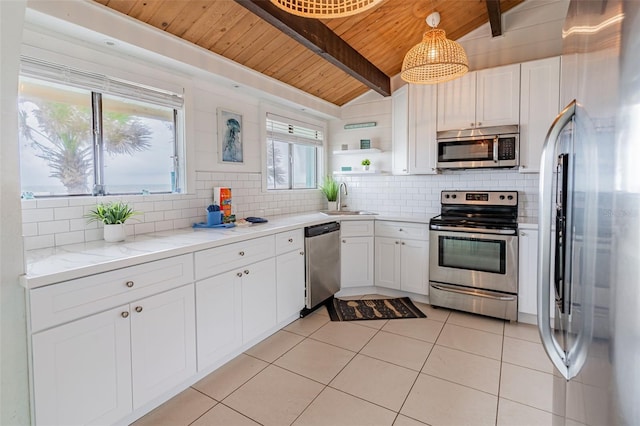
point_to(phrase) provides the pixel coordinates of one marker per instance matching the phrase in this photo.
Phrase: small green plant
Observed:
(366, 162)
(111, 213)
(329, 188)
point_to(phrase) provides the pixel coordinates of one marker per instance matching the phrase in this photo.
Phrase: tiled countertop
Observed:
(56, 264)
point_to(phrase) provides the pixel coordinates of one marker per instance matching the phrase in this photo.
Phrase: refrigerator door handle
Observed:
(547, 165)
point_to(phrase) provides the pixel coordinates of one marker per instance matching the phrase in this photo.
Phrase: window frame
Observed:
(284, 116)
(98, 85)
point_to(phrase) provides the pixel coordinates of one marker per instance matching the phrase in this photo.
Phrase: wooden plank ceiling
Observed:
(382, 35)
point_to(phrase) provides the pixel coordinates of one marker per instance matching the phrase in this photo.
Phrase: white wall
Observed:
(14, 394)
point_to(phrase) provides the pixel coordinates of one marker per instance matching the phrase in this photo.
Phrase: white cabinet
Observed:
(489, 97)
(356, 253)
(528, 271)
(402, 256)
(238, 303)
(414, 150)
(539, 104)
(97, 369)
(289, 274)
(163, 343)
(218, 317)
(400, 130)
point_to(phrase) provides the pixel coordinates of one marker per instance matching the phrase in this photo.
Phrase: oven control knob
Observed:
(454, 196)
(502, 197)
(446, 195)
(510, 197)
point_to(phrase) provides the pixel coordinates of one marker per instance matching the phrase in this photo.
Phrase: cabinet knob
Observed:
(301, 253)
(479, 123)
(129, 284)
(523, 166)
(138, 309)
(400, 230)
(246, 272)
(397, 242)
(523, 234)
(402, 243)
(344, 241)
(473, 124)
(404, 170)
(239, 274)
(124, 314)
(290, 240)
(241, 253)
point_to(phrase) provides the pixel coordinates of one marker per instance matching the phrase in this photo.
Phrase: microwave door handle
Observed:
(547, 165)
(495, 149)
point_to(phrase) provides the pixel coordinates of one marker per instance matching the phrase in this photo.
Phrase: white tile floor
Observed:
(450, 368)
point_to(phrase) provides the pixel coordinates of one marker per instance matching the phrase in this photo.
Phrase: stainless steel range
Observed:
(473, 253)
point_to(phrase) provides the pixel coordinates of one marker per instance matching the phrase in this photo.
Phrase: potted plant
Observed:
(365, 164)
(330, 188)
(113, 215)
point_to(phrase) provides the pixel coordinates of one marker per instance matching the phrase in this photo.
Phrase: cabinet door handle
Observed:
(523, 234)
(479, 123)
(138, 309)
(344, 241)
(241, 253)
(400, 230)
(124, 314)
(290, 240)
(301, 253)
(402, 243)
(239, 274)
(246, 272)
(473, 124)
(129, 284)
(397, 242)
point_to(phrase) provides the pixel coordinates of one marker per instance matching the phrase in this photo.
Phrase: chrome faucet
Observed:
(339, 203)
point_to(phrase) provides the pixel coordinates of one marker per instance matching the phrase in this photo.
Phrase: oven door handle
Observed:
(474, 230)
(484, 294)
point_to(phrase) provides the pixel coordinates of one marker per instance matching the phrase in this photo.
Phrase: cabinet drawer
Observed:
(405, 230)
(356, 228)
(289, 241)
(63, 302)
(224, 258)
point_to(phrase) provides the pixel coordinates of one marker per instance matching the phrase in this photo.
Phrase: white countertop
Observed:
(62, 263)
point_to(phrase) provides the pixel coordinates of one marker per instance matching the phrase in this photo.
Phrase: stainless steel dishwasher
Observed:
(322, 272)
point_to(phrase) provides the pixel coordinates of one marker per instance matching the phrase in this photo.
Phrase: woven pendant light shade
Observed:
(434, 60)
(325, 8)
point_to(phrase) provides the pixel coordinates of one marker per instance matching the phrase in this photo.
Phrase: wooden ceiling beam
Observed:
(319, 38)
(495, 17)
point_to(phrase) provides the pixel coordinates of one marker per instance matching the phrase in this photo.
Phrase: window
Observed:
(292, 153)
(82, 133)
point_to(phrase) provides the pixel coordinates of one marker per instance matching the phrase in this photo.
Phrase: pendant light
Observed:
(435, 59)
(320, 9)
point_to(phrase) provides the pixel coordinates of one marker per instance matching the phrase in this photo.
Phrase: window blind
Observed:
(290, 130)
(55, 73)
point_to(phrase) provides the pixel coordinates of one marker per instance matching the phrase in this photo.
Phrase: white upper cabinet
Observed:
(414, 129)
(539, 104)
(483, 98)
(400, 130)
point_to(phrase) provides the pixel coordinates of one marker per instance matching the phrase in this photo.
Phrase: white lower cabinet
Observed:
(234, 308)
(258, 299)
(97, 369)
(290, 284)
(356, 253)
(402, 256)
(528, 271)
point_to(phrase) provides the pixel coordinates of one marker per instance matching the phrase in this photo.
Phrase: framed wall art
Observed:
(230, 149)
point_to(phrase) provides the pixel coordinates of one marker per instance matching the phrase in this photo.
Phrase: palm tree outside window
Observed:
(80, 141)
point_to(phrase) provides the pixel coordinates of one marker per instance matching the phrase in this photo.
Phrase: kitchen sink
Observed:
(346, 212)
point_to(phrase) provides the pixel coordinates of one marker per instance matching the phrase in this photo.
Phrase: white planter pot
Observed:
(114, 233)
(365, 168)
(332, 205)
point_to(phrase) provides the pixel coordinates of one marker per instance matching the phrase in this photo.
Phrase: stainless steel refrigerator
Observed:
(589, 234)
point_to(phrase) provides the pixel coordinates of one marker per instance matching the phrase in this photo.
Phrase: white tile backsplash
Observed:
(49, 222)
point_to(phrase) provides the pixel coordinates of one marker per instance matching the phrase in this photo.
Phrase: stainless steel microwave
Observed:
(487, 147)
